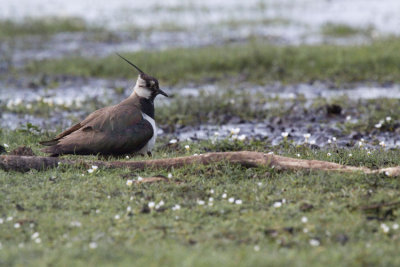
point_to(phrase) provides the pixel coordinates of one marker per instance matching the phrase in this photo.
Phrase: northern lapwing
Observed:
(125, 128)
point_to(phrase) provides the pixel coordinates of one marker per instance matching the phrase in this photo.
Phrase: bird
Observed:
(123, 129)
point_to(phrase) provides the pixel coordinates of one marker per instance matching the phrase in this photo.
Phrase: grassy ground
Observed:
(67, 216)
(254, 61)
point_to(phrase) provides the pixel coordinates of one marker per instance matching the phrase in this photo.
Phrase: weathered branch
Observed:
(244, 158)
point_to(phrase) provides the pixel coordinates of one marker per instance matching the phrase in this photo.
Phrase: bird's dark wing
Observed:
(116, 130)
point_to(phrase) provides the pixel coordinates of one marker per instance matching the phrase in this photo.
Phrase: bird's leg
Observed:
(149, 154)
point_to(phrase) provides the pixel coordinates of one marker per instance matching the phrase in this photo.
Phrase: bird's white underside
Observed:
(150, 144)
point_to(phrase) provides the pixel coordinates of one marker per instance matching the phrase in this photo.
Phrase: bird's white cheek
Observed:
(142, 92)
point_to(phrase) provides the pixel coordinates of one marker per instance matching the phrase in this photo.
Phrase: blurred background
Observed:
(269, 67)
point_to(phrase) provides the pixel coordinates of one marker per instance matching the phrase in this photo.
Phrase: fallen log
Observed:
(244, 158)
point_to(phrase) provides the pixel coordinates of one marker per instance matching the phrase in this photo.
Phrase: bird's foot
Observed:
(149, 154)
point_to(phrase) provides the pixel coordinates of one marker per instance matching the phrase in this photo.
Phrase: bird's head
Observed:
(146, 86)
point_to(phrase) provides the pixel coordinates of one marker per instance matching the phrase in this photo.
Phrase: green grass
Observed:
(343, 30)
(254, 61)
(42, 26)
(52, 203)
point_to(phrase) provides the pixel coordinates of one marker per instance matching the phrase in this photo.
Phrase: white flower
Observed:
(127, 157)
(94, 167)
(35, 235)
(231, 200)
(329, 154)
(176, 207)
(283, 200)
(234, 137)
(314, 242)
(368, 153)
(97, 211)
(305, 230)
(395, 226)
(38, 240)
(90, 171)
(329, 141)
(5, 145)
(92, 245)
(277, 204)
(259, 184)
(211, 191)
(387, 173)
(117, 217)
(270, 153)
(242, 137)
(129, 209)
(256, 248)
(1, 220)
(187, 147)
(350, 155)
(382, 143)
(108, 197)
(298, 155)
(210, 204)
(306, 137)
(139, 179)
(385, 228)
(360, 143)
(304, 219)
(200, 202)
(75, 224)
(129, 182)
(235, 131)
(161, 203)
(224, 195)
(312, 142)
(348, 118)
(285, 134)
(173, 141)
(378, 125)
(388, 118)
(9, 219)
(17, 225)
(169, 175)
(216, 133)
(211, 199)
(238, 202)
(151, 204)
(334, 139)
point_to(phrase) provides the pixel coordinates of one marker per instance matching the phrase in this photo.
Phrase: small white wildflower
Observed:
(127, 157)
(329, 154)
(362, 140)
(195, 154)
(5, 145)
(129, 209)
(9, 219)
(298, 155)
(151, 204)
(238, 202)
(21, 245)
(17, 225)
(161, 203)
(210, 204)
(312, 142)
(117, 217)
(242, 137)
(387, 173)
(378, 125)
(92, 245)
(200, 202)
(35, 235)
(314, 242)
(231, 200)
(97, 211)
(216, 133)
(348, 118)
(284, 201)
(306, 137)
(277, 204)
(350, 155)
(334, 139)
(270, 153)
(235, 131)
(211, 199)
(259, 184)
(329, 141)
(360, 144)
(94, 167)
(305, 230)
(224, 195)
(385, 228)
(176, 207)
(256, 248)
(108, 197)
(82, 174)
(211, 191)
(285, 134)
(129, 182)
(38, 240)
(1, 220)
(388, 118)
(169, 175)
(139, 179)
(90, 171)
(173, 141)
(234, 137)
(368, 153)
(395, 226)
(304, 219)
(187, 147)
(382, 143)
(76, 224)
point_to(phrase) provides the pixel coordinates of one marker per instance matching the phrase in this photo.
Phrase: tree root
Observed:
(244, 158)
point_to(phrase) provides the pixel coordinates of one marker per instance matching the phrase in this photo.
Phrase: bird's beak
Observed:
(162, 92)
